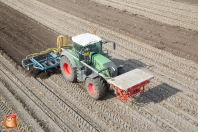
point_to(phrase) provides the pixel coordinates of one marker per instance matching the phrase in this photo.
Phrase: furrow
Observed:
(85, 125)
(161, 10)
(7, 108)
(57, 90)
(154, 14)
(181, 123)
(177, 5)
(48, 100)
(160, 95)
(27, 95)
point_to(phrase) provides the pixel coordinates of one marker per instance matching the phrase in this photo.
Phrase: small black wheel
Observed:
(68, 70)
(96, 87)
(121, 70)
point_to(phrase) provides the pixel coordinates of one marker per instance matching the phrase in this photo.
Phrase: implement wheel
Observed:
(96, 87)
(68, 71)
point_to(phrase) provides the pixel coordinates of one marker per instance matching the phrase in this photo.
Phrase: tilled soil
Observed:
(57, 105)
(34, 36)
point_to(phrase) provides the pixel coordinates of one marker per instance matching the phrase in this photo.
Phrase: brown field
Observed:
(159, 37)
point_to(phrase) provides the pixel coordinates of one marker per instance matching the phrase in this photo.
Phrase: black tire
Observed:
(68, 70)
(121, 70)
(96, 87)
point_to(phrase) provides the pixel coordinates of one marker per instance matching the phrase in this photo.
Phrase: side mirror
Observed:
(80, 57)
(114, 45)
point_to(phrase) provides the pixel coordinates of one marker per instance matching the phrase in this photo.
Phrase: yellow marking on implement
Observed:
(61, 42)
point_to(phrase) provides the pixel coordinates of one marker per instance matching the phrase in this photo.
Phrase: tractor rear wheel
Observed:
(96, 87)
(68, 70)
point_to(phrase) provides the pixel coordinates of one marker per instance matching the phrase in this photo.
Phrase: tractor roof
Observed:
(86, 39)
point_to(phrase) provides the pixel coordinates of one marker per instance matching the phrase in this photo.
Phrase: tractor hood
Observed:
(100, 62)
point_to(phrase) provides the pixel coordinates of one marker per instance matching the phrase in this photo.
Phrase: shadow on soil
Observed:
(129, 64)
(156, 94)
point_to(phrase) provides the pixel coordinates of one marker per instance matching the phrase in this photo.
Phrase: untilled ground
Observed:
(48, 100)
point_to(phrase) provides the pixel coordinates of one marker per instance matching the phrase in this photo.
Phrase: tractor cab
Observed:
(88, 44)
(85, 44)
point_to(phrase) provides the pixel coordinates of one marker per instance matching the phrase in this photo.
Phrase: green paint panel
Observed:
(98, 61)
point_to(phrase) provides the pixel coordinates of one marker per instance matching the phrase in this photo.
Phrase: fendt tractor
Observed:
(85, 61)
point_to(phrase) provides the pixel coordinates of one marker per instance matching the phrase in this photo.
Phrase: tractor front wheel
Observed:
(68, 71)
(96, 87)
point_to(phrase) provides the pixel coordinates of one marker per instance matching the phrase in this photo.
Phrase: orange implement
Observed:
(130, 83)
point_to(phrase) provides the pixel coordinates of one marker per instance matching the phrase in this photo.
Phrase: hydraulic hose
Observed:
(61, 41)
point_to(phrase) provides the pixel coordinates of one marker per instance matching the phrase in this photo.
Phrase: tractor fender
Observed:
(64, 53)
(93, 75)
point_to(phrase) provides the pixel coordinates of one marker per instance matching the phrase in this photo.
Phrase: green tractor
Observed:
(86, 61)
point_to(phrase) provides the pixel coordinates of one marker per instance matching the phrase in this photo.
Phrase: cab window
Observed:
(77, 47)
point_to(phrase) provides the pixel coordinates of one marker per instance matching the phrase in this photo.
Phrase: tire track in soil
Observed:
(105, 110)
(83, 123)
(81, 104)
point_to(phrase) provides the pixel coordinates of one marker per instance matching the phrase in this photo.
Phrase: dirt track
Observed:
(59, 105)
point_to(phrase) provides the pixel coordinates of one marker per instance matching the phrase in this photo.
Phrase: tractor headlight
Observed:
(86, 54)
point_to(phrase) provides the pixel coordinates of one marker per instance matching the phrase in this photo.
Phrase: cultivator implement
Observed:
(47, 59)
(42, 62)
